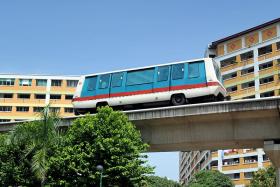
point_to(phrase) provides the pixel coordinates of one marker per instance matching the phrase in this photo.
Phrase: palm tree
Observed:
(41, 136)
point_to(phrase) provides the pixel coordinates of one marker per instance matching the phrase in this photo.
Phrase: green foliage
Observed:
(26, 151)
(106, 139)
(210, 179)
(264, 178)
(155, 181)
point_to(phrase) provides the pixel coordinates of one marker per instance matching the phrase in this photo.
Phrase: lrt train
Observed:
(175, 83)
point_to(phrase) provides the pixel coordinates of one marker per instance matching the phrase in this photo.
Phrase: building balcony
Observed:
(266, 56)
(229, 67)
(268, 86)
(267, 72)
(246, 62)
(248, 91)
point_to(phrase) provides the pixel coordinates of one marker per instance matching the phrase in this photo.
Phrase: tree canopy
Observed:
(107, 139)
(264, 177)
(156, 181)
(35, 153)
(210, 178)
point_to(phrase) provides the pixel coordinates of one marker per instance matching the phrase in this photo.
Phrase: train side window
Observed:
(163, 73)
(193, 70)
(104, 81)
(117, 79)
(145, 76)
(178, 71)
(91, 83)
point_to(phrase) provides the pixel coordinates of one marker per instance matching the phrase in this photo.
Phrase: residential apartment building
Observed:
(250, 66)
(22, 97)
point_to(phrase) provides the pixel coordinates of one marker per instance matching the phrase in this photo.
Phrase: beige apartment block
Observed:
(22, 97)
(250, 66)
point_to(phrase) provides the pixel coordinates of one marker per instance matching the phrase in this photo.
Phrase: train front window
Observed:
(178, 71)
(218, 72)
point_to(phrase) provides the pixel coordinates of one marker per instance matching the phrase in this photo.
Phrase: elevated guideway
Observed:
(206, 126)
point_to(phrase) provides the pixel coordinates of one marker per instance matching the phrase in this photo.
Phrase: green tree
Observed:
(37, 140)
(14, 170)
(107, 139)
(264, 178)
(155, 181)
(210, 179)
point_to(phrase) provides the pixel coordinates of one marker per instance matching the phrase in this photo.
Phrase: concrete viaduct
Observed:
(252, 123)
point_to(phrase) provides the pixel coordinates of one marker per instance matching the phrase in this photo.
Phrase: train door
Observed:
(117, 84)
(195, 74)
(177, 76)
(162, 82)
(103, 88)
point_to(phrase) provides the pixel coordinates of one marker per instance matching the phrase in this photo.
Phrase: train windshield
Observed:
(218, 72)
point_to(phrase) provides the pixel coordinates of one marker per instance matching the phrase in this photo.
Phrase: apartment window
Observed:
(267, 94)
(249, 97)
(232, 161)
(38, 109)
(5, 108)
(230, 75)
(247, 71)
(68, 97)
(23, 96)
(266, 65)
(248, 175)
(7, 82)
(278, 45)
(266, 80)
(264, 50)
(232, 89)
(247, 56)
(265, 158)
(228, 61)
(6, 95)
(72, 83)
(41, 82)
(248, 84)
(250, 159)
(55, 96)
(40, 96)
(68, 110)
(22, 108)
(56, 83)
(25, 82)
(234, 176)
(4, 120)
(55, 109)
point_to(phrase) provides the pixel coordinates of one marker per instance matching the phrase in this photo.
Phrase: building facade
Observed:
(250, 66)
(22, 97)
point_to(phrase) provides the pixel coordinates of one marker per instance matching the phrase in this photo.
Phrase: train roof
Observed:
(145, 67)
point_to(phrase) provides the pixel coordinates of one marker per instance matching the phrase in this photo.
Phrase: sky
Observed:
(71, 37)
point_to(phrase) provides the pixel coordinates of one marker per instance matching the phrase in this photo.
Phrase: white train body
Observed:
(167, 82)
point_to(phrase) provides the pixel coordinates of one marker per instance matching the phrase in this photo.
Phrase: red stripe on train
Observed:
(172, 88)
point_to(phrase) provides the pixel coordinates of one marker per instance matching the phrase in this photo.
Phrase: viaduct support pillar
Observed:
(272, 149)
